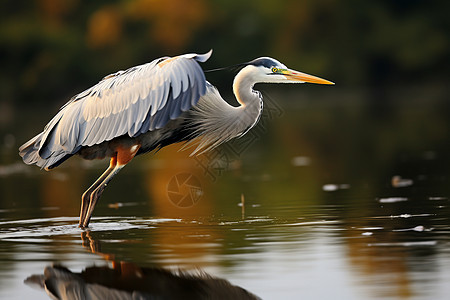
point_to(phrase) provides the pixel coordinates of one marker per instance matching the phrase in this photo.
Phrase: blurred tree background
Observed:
(52, 49)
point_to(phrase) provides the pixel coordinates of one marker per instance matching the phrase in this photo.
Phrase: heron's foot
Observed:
(82, 226)
(94, 196)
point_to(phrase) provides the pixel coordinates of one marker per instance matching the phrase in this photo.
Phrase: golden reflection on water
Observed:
(63, 191)
(386, 266)
(182, 239)
(173, 163)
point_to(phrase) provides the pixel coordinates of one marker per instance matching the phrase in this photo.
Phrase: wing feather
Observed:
(134, 101)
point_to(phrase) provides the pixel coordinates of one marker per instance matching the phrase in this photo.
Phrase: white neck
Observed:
(217, 122)
(250, 100)
(243, 88)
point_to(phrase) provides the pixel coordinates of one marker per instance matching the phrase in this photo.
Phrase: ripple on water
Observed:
(405, 244)
(34, 229)
(392, 199)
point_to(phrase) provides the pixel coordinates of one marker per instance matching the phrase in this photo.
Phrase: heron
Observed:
(148, 107)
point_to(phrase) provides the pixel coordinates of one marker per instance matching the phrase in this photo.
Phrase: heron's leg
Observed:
(85, 198)
(124, 156)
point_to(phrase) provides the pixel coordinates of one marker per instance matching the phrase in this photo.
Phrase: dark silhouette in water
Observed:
(128, 281)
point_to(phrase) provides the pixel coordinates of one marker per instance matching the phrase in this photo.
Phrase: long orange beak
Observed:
(303, 77)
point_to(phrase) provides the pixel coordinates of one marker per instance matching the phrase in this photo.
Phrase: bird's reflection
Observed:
(125, 280)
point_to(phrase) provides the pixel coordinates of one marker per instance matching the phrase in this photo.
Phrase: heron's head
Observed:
(269, 70)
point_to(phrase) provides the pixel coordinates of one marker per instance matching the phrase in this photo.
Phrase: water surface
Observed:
(331, 198)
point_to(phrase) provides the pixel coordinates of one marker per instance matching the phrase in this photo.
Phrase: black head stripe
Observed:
(264, 62)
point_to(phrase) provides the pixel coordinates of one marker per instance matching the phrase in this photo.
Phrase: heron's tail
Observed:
(30, 154)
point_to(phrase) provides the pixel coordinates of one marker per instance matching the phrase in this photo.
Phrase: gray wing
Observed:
(140, 99)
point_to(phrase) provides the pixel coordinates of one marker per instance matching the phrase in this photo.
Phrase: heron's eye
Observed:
(274, 70)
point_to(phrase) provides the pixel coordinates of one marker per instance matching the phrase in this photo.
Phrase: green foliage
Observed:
(52, 48)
